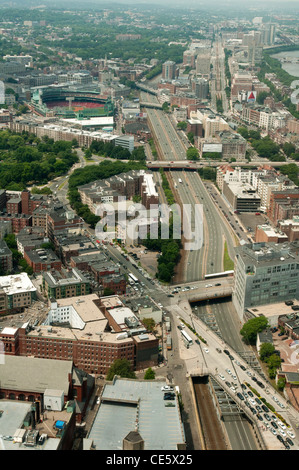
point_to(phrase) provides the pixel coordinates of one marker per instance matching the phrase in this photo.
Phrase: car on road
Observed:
(209, 285)
(167, 388)
(239, 395)
(283, 426)
(221, 377)
(274, 424)
(289, 441)
(282, 433)
(229, 371)
(291, 434)
(226, 351)
(205, 350)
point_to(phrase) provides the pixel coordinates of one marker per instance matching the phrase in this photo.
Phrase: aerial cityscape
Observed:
(149, 227)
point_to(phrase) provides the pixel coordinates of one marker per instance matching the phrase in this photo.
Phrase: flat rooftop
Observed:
(14, 413)
(15, 283)
(126, 404)
(273, 310)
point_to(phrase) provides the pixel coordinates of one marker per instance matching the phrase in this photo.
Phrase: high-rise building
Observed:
(203, 62)
(200, 88)
(169, 71)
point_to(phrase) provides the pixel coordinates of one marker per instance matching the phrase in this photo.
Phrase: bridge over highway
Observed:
(195, 165)
(150, 105)
(208, 289)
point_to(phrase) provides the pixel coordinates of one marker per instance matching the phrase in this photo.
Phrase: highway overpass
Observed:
(189, 165)
(144, 104)
(219, 288)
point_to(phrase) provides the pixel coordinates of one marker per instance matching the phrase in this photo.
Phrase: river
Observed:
(292, 69)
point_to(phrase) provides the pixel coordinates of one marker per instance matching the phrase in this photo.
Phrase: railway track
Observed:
(212, 432)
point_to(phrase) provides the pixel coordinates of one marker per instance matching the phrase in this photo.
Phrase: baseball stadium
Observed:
(69, 103)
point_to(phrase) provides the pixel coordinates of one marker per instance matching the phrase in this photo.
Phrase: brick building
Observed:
(42, 260)
(99, 332)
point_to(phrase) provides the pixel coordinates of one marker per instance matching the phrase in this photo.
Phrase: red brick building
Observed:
(92, 349)
(42, 260)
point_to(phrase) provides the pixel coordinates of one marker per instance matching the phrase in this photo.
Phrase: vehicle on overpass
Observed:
(223, 274)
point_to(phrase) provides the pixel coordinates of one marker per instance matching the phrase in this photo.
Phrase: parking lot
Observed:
(250, 220)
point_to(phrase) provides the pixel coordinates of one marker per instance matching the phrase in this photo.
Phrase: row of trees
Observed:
(267, 352)
(107, 149)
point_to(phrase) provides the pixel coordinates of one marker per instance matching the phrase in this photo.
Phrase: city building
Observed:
(35, 392)
(266, 233)
(200, 87)
(203, 62)
(6, 263)
(123, 420)
(241, 82)
(242, 197)
(169, 70)
(265, 273)
(16, 293)
(65, 283)
(42, 260)
(89, 331)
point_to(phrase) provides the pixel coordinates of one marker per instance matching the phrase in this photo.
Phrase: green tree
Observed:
(261, 97)
(281, 383)
(266, 350)
(252, 327)
(182, 125)
(192, 153)
(149, 374)
(121, 367)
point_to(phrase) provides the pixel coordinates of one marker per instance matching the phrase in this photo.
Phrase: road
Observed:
(218, 364)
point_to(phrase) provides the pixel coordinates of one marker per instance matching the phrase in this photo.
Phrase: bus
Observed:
(223, 274)
(187, 340)
(133, 278)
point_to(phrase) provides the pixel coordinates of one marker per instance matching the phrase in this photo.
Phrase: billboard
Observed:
(251, 96)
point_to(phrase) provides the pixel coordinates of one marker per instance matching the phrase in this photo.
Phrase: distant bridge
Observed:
(147, 89)
(150, 105)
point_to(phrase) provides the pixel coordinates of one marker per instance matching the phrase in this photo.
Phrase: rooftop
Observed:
(129, 405)
(15, 283)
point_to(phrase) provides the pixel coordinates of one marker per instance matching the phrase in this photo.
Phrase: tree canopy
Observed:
(121, 367)
(252, 327)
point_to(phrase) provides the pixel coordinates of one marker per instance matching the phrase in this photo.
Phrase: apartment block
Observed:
(16, 293)
(265, 273)
(65, 283)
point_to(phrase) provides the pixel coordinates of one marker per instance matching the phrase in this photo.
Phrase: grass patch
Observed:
(228, 264)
